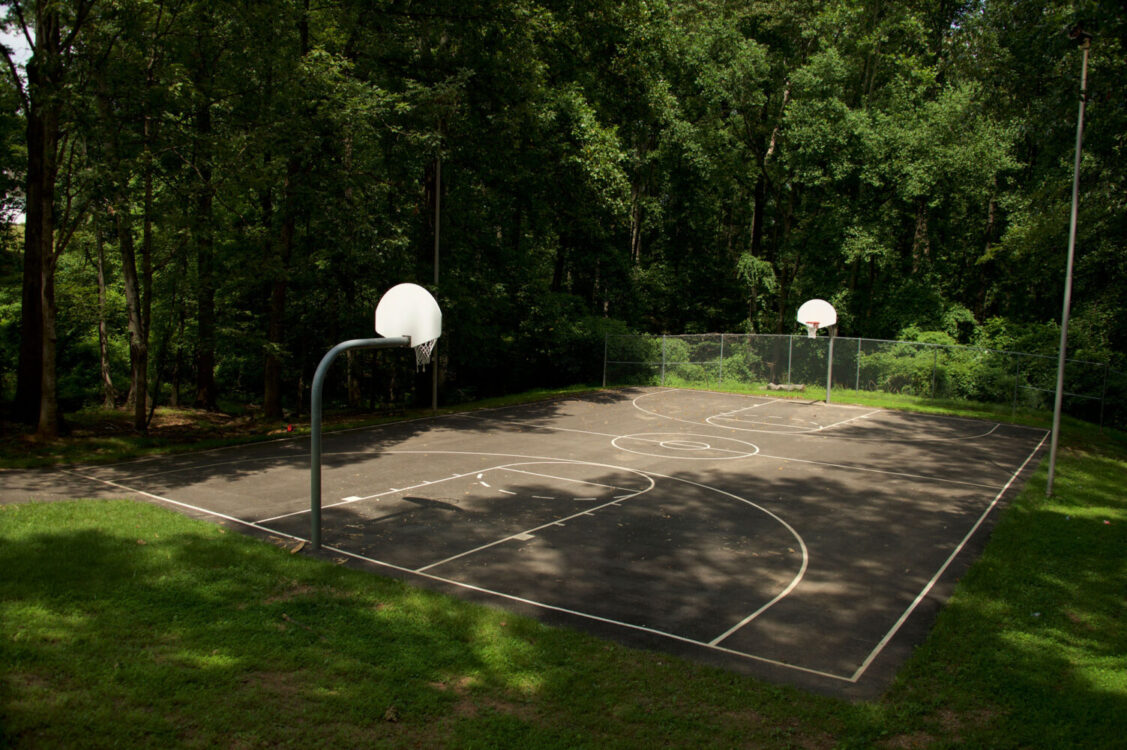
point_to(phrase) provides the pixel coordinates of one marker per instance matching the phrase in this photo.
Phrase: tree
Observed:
(53, 30)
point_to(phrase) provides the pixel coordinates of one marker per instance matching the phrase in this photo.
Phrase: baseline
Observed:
(716, 647)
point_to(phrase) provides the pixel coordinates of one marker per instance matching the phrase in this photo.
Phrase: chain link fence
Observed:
(1093, 391)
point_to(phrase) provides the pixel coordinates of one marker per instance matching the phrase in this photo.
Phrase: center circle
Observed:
(685, 446)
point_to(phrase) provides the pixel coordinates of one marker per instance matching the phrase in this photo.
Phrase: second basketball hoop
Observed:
(816, 314)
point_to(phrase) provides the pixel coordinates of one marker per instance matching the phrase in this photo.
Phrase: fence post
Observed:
(934, 366)
(829, 366)
(1017, 379)
(721, 377)
(1103, 395)
(606, 339)
(663, 359)
(790, 347)
(857, 385)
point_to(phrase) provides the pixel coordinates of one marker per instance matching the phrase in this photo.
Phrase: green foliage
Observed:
(667, 167)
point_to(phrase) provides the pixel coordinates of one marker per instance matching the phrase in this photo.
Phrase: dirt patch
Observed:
(289, 594)
(912, 741)
(285, 685)
(470, 704)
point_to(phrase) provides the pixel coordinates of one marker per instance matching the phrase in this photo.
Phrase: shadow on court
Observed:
(817, 558)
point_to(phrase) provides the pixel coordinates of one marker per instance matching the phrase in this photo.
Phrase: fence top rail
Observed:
(968, 347)
(964, 347)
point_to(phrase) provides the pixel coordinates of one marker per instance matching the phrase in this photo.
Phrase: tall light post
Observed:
(437, 224)
(1085, 40)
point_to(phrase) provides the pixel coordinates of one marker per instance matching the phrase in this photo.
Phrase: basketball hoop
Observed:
(409, 310)
(423, 353)
(815, 314)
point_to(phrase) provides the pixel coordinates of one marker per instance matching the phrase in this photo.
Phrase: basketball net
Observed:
(812, 329)
(423, 353)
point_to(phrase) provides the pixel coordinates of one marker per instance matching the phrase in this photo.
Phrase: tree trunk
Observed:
(275, 333)
(43, 74)
(50, 418)
(38, 219)
(147, 265)
(205, 268)
(109, 393)
(757, 209)
(138, 335)
(921, 244)
(271, 370)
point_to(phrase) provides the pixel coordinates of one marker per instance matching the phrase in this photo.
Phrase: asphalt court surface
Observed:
(798, 541)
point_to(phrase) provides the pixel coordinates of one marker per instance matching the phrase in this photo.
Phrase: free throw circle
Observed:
(685, 446)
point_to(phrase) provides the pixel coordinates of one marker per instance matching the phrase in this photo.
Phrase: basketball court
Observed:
(805, 543)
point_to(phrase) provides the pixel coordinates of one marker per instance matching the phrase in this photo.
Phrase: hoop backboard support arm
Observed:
(315, 421)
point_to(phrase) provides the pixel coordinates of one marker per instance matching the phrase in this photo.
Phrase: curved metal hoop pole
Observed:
(315, 422)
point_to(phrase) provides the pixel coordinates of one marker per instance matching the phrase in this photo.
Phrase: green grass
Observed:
(124, 624)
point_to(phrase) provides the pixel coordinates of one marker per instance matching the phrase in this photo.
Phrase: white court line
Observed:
(847, 421)
(942, 569)
(196, 508)
(661, 443)
(538, 425)
(280, 439)
(744, 408)
(788, 429)
(558, 521)
(781, 429)
(470, 587)
(853, 679)
(917, 441)
(816, 432)
(299, 438)
(595, 618)
(509, 467)
(877, 471)
(707, 420)
(205, 467)
(355, 498)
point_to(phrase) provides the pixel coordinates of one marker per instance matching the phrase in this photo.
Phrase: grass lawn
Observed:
(124, 624)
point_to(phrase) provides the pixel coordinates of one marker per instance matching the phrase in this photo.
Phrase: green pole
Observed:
(315, 422)
(606, 344)
(830, 366)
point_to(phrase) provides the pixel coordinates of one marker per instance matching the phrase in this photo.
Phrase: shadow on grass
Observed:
(123, 624)
(1035, 640)
(166, 637)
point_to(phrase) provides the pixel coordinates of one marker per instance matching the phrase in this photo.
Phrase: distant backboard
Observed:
(815, 314)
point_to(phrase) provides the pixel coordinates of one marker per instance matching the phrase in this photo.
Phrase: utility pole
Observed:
(1085, 39)
(437, 220)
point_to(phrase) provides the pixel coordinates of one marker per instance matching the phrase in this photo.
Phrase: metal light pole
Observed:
(437, 222)
(1085, 42)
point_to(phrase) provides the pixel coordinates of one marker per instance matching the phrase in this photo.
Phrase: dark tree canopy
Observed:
(217, 193)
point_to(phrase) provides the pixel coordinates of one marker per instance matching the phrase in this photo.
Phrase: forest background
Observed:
(216, 193)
